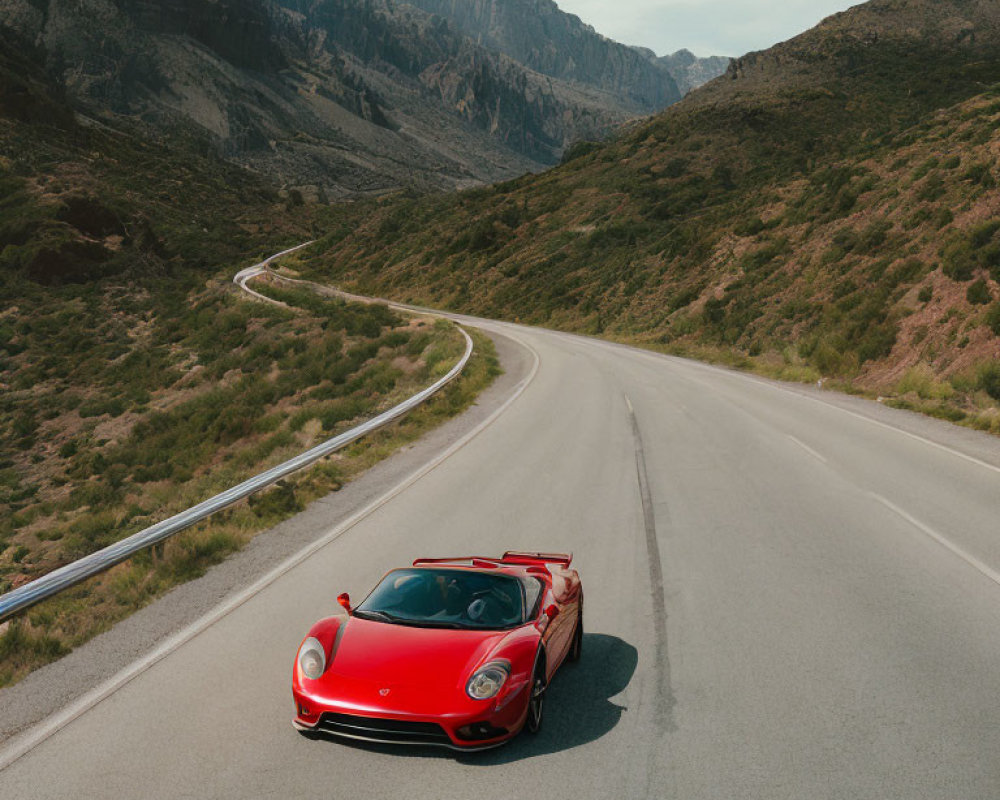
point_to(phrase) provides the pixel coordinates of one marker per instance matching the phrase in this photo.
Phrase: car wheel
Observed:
(536, 702)
(576, 649)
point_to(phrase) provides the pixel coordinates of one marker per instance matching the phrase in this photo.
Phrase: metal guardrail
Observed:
(56, 581)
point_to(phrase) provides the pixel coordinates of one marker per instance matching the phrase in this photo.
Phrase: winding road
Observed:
(790, 594)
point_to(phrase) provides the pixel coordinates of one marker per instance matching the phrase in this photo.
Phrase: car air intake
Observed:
(382, 730)
(479, 731)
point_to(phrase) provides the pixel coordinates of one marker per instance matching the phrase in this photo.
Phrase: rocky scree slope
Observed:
(340, 96)
(829, 208)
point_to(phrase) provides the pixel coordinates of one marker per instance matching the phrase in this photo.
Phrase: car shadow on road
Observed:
(578, 708)
(578, 705)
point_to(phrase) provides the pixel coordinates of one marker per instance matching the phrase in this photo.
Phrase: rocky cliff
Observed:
(343, 96)
(690, 72)
(541, 36)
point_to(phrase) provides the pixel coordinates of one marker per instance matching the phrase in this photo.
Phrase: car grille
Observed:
(383, 730)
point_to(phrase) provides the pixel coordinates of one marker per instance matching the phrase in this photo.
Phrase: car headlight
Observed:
(488, 680)
(312, 658)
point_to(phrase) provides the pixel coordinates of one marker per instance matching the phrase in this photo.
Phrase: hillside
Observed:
(335, 98)
(135, 380)
(824, 210)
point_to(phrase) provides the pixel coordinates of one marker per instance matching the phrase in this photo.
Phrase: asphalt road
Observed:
(789, 595)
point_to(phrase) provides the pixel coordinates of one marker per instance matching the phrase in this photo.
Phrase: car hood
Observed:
(403, 655)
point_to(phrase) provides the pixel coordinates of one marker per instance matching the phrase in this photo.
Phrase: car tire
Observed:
(576, 648)
(536, 701)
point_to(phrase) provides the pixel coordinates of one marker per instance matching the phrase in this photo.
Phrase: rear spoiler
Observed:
(510, 557)
(520, 557)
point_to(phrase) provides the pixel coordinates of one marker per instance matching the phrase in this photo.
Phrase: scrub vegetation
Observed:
(221, 389)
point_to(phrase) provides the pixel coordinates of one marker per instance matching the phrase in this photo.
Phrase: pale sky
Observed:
(705, 27)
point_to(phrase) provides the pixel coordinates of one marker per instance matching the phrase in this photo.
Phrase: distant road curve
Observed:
(244, 275)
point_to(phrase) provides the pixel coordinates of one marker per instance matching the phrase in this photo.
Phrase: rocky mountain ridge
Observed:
(541, 36)
(544, 38)
(343, 96)
(689, 71)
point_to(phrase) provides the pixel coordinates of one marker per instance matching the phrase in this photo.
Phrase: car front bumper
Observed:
(481, 729)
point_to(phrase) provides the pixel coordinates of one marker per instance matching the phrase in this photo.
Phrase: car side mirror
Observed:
(552, 612)
(345, 600)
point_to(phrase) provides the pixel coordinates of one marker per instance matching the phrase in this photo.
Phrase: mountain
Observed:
(826, 209)
(689, 72)
(539, 35)
(542, 37)
(338, 97)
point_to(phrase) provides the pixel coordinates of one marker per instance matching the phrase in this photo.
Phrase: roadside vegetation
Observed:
(224, 389)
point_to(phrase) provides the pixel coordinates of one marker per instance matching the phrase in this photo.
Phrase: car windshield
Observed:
(446, 598)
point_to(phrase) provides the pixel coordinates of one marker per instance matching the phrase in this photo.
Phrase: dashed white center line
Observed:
(808, 449)
(969, 559)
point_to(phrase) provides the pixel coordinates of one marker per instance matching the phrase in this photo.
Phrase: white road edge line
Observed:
(971, 560)
(24, 743)
(660, 357)
(652, 355)
(914, 436)
(807, 448)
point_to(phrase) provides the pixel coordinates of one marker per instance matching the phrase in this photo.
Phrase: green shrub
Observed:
(932, 189)
(943, 217)
(981, 235)
(993, 318)
(194, 552)
(981, 175)
(750, 227)
(112, 406)
(580, 149)
(989, 379)
(920, 380)
(275, 503)
(926, 294)
(906, 272)
(684, 298)
(957, 261)
(675, 168)
(832, 359)
(978, 293)
(19, 644)
(341, 411)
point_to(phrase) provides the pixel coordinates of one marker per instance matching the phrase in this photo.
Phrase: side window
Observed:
(532, 596)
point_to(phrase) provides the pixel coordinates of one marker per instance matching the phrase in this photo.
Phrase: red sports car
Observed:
(454, 652)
